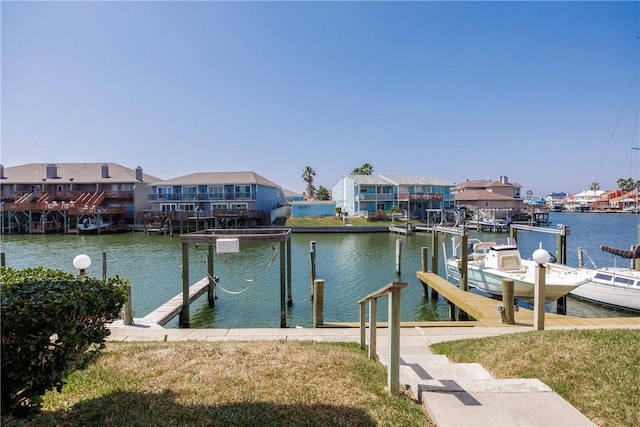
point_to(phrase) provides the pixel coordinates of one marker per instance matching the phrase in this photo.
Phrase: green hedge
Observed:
(52, 324)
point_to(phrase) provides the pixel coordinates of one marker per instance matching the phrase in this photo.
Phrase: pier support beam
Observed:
(211, 290)
(183, 320)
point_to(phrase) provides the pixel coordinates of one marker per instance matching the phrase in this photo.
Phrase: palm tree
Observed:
(595, 186)
(323, 193)
(307, 176)
(626, 184)
(365, 169)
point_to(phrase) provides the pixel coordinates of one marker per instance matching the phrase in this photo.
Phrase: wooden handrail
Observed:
(393, 291)
(384, 291)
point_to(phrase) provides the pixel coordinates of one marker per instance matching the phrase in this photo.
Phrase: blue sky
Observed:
(545, 93)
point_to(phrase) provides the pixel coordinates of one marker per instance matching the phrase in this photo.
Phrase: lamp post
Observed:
(541, 257)
(82, 262)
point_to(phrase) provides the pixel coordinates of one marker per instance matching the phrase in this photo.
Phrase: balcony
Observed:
(199, 197)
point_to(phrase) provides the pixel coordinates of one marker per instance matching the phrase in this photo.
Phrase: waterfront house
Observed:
(54, 197)
(583, 201)
(218, 199)
(367, 194)
(292, 196)
(483, 194)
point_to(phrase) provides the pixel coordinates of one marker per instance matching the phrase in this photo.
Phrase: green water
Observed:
(352, 266)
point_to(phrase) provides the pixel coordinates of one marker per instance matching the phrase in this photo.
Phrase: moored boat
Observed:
(93, 225)
(615, 287)
(491, 262)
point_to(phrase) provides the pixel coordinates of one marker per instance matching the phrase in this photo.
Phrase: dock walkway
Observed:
(485, 310)
(167, 311)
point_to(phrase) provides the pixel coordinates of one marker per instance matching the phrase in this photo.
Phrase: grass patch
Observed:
(597, 371)
(229, 383)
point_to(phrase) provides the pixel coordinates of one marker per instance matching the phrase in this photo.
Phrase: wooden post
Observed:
(312, 263)
(363, 326)
(288, 278)
(561, 303)
(423, 258)
(104, 265)
(373, 328)
(394, 341)
(434, 252)
(539, 298)
(464, 257)
(183, 320)
(507, 301)
(318, 292)
(126, 318)
(398, 258)
(211, 290)
(2, 259)
(283, 310)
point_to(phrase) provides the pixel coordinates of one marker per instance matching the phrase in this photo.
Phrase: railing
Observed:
(393, 291)
(192, 197)
(370, 197)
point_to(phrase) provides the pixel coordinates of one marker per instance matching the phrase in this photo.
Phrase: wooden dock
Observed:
(167, 311)
(401, 229)
(485, 310)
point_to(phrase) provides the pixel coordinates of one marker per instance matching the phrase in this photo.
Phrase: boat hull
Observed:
(623, 293)
(490, 281)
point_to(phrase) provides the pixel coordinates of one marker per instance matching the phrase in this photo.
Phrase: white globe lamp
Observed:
(541, 256)
(82, 262)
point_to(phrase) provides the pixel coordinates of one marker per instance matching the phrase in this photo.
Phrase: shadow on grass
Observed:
(145, 409)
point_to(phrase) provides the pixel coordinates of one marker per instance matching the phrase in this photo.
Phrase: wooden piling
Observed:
(398, 258)
(211, 290)
(126, 317)
(318, 300)
(423, 259)
(539, 298)
(183, 320)
(104, 265)
(508, 301)
(2, 259)
(312, 264)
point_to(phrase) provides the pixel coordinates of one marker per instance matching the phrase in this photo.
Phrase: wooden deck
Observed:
(167, 311)
(485, 310)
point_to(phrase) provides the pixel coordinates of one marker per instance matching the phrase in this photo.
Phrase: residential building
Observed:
(483, 194)
(364, 194)
(227, 199)
(584, 201)
(40, 197)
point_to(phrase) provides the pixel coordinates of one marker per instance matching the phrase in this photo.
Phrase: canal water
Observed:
(352, 265)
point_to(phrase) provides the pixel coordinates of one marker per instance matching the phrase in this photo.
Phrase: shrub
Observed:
(52, 324)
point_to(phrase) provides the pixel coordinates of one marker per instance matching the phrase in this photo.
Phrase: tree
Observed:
(626, 184)
(365, 169)
(595, 186)
(307, 176)
(323, 193)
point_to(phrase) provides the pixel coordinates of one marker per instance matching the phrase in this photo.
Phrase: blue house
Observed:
(362, 194)
(245, 195)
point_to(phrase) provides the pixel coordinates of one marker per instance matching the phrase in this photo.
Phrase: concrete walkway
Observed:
(454, 394)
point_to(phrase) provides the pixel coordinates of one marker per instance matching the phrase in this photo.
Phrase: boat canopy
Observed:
(624, 253)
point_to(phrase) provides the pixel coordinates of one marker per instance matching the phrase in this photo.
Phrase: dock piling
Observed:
(318, 300)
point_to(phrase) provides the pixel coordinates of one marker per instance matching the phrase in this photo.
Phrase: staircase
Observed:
(465, 394)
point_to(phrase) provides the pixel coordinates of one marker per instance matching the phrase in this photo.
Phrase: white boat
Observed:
(92, 225)
(489, 263)
(613, 286)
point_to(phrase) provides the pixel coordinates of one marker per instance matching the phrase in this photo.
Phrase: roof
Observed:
(483, 183)
(78, 173)
(396, 179)
(417, 180)
(220, 178)
(472, 195)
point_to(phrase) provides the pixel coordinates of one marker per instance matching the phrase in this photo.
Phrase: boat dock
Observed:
(167, 311)
(485, 310)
